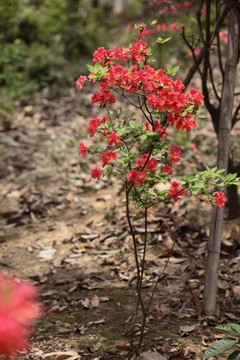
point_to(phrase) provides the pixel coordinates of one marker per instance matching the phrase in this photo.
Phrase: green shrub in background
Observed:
(44, 42)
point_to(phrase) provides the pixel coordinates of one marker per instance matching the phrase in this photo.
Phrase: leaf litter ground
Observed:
(69, 235)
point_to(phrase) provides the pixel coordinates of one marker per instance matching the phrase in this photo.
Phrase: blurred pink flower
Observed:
(18, 309)
(196, 51)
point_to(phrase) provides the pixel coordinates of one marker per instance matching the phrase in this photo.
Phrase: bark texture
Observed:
(225, 125)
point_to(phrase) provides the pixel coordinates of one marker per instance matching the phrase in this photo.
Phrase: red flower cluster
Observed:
(126, 69)
(104, 96)
(156, 28)
(80, 81)
(219, 199)
(108, 156)
(94, 123)
(150, 165)
(160, 91)
(136, 177)
(106, 56)
(96, 173)
(174, 191)
(175, 154)
(82, 149)
(167, 169)
(18, 309)
(196, 51)
(172, 8)
(113, 138)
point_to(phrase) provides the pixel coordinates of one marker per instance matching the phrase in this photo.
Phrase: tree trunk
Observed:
(225, 123)
(232, 193)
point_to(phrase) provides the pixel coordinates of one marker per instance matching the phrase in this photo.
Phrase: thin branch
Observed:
(130, 102)
(135, 248)
(235, 116)
(142, 270)
(213, 83)
(219, 46)
(206, 53)
(194, 68)
(160, 278)
(199, 13)
(197, 63)
(200, 57)
(141, 107)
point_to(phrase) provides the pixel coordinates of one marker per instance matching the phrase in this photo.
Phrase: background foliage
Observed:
(48, 42)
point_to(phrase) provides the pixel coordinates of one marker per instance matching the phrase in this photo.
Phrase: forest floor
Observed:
(68, 234)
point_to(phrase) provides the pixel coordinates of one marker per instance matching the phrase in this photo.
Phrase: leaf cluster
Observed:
(224, 344)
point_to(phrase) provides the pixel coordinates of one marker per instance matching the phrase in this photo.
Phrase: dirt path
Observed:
(69, 234)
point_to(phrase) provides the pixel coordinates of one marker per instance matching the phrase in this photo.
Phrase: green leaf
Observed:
(231, 327)
(234, 355)
(90, 68)
(132, 124)
(195, 192)
(220, 171)
(143, 137)
(161, 40)
(201, 116)
(122, 235)
(218, 347)
(112, 252)
(153, 22)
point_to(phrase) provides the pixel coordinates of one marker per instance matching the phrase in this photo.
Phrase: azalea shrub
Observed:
(19, 308)
(137, 149)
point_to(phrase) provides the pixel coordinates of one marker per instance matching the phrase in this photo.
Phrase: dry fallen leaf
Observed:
(122, 345)
(95, 301)
(69, 355)
(236, 291)
(85, 303)
(70, 196)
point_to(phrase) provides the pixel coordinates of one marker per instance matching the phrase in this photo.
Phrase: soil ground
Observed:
(69, 235)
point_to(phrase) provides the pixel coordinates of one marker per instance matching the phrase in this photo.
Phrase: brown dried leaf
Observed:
(122, 345)
(95, 301)
(69, 355)
(197, 302)
(236, 291)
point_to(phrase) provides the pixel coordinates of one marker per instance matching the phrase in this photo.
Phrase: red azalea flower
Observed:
(96, 173)
(136, 177)
(82, 149)
(152, 164)
(80, 81)
(194, 148)
(159, 128)
(138, 51)
(196, 51)
(104, 96)
(167, 169)
(107, 157)
(219, 199)
(93, 125)
(113, 138)
(185, 5)
(104, 119)
(175, 154)
(223, 36)
(174, 191)
(147, 126)
(195, 96)
(141, 161)
(18, 309)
